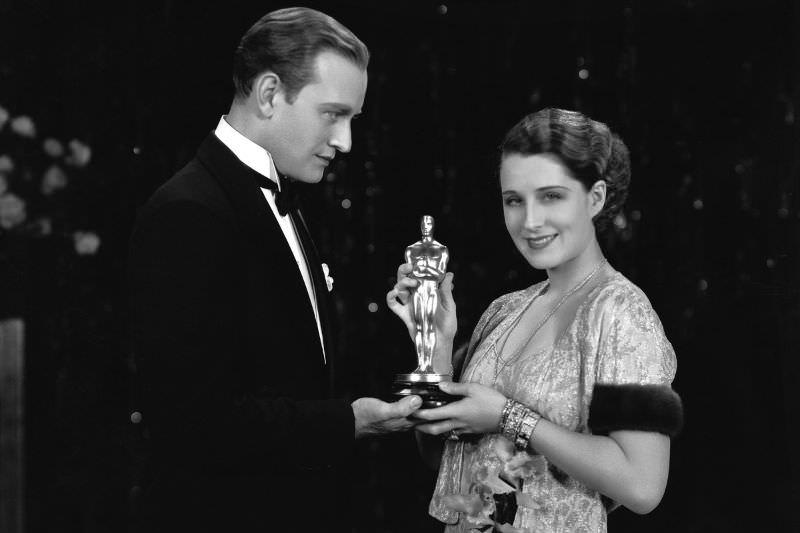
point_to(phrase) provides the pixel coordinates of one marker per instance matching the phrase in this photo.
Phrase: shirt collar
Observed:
(248, 152)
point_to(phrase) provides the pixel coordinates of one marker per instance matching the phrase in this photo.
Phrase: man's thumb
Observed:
(408, 405)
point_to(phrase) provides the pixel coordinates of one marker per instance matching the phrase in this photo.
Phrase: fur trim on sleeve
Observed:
(637, 407)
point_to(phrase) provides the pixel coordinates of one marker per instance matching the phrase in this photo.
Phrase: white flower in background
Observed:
(6, 163)
(3, 117)
(80, 154)
(328, 277)
(12, 211)
(53, 147)
(86, 242)
(3, 184)
(54, 179)
(23, 126)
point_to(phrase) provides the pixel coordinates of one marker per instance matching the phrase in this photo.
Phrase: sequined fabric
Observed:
(616, 337)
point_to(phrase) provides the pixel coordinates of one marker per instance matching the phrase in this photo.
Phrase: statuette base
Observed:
(424, 385)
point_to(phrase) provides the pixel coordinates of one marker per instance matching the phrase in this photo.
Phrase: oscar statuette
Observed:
(429, 261)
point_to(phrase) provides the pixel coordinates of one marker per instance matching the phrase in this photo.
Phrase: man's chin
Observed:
(309, 177)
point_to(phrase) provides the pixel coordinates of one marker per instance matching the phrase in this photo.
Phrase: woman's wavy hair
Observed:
(588, 149)
(287, 42)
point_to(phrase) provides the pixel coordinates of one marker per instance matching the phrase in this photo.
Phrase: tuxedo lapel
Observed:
(317, 277)
(241, 187)
(240, 184)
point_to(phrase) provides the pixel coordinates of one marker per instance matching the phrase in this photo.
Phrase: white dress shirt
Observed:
(257, 158)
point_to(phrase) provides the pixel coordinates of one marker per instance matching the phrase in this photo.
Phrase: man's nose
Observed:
(341, 138)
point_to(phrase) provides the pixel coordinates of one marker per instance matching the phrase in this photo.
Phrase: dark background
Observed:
(705, 93)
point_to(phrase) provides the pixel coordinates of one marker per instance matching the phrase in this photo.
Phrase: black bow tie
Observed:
(287, 198)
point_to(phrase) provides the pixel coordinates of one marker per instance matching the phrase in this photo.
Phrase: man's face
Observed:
(308, 132)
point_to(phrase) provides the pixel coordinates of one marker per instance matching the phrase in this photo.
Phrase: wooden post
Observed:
(12, 478)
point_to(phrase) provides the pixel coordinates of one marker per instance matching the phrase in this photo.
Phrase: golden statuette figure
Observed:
(428, 259)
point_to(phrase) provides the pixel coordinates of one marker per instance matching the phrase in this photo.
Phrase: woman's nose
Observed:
(533, 217)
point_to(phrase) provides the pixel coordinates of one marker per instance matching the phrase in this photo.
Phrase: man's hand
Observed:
(376, 417)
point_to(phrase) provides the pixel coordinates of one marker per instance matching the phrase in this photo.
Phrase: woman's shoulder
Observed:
(617, 293)
(630, 337)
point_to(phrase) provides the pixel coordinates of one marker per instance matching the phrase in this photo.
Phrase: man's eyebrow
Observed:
(333, 106)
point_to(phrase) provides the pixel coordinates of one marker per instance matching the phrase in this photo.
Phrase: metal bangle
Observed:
(504, 415)
(511, 427)
(528, 423)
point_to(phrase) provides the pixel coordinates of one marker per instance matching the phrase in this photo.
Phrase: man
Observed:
(228, 298)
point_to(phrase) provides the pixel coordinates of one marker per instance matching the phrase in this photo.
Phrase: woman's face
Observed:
(548, 213)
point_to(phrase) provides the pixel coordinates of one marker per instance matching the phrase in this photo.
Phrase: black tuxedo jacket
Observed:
(244, 434)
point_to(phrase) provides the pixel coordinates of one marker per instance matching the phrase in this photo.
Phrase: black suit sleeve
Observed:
(198, 404)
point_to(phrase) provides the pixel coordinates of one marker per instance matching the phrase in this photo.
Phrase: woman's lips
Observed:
(537, 243)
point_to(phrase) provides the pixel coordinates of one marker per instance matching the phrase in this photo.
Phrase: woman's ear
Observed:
(597, 197)
(266, 88)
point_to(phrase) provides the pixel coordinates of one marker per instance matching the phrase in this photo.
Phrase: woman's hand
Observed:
(478, 412)
(399, 301)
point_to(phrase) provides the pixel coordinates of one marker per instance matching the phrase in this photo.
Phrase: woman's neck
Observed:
(566, 276)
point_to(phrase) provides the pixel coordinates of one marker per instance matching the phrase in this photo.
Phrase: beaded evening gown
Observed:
(615, 338)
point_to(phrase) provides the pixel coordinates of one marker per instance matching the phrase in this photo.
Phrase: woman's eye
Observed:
(511, 201)
(552, 196)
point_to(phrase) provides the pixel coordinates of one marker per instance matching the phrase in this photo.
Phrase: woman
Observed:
(567, 402)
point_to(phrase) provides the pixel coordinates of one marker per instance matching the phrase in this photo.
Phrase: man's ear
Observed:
(266, 88)
(597, 197)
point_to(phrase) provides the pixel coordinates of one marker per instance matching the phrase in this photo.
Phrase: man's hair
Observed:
(287, 42)
(586, 147)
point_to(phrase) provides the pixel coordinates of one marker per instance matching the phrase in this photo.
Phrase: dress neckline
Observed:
(531, 294)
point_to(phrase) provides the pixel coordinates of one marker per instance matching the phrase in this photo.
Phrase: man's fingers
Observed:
(404, 407)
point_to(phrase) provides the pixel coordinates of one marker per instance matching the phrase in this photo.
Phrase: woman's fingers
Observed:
(393, 299)
(454, 410)
(457, 389)
(446, 290)
(401, 292)
(406, 283)
(437, 428)
(403, 271)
